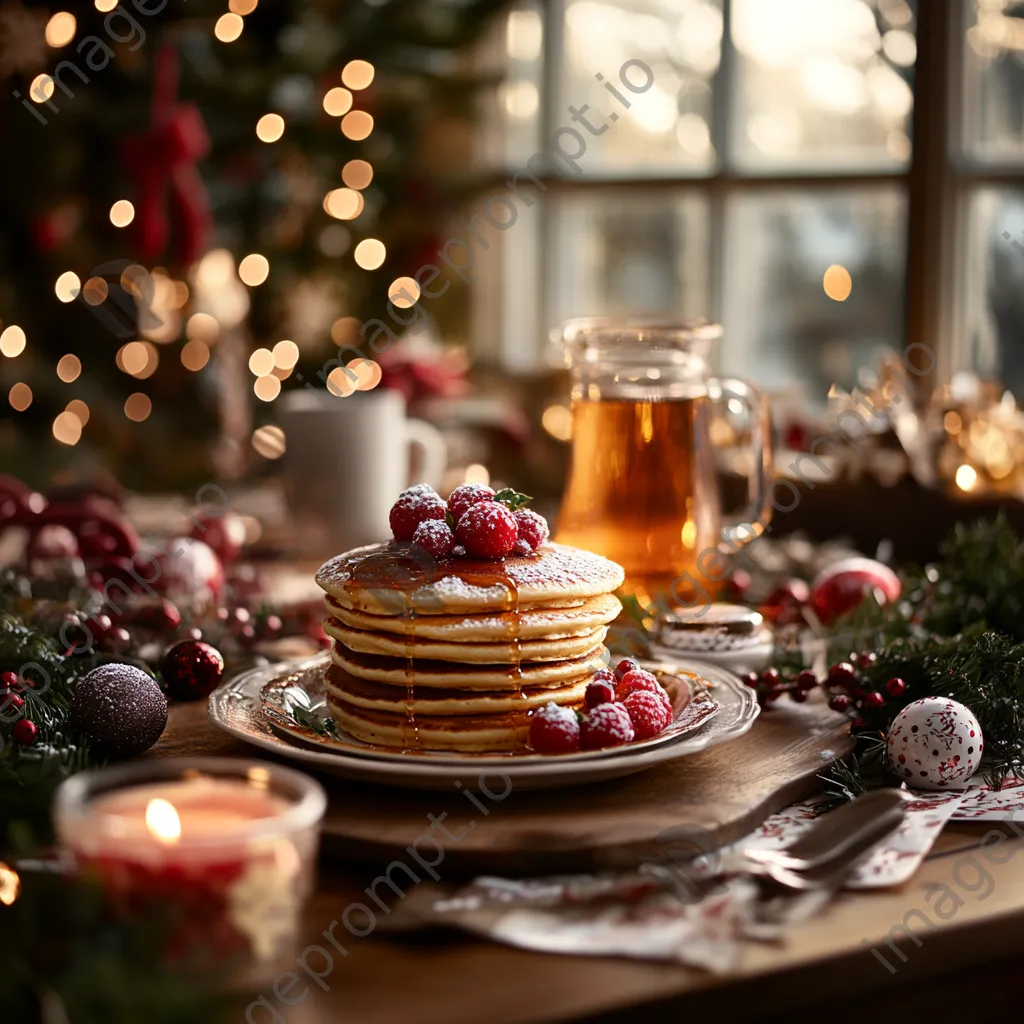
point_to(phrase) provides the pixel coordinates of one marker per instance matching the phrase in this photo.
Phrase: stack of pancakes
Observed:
(454, 654)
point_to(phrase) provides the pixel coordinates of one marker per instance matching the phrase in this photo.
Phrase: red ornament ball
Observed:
(842, 587)
(191, 670)
(225, 534)
(840, 702)
(873, 701)
(24, 732)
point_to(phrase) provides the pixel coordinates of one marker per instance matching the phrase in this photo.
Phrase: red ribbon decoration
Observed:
(163, 161)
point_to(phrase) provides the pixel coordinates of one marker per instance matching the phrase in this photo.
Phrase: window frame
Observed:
(937, 183)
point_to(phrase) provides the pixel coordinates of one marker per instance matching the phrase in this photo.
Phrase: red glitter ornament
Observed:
(191, 670)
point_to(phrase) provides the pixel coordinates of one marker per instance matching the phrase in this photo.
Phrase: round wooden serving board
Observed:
(717, 795)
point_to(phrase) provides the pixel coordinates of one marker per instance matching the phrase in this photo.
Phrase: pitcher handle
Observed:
(431, 451)
(751, 523)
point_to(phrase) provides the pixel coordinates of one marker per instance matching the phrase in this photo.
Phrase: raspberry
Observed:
(24, 732)
(608, 725)
(415, 506)
(624, 666)
(554, 730)
(639, 680)
(465, 496)
(434, 536)
(522, 549)
(533, 528)
(488, 530)
(635, 679)
(647, 713)
(600, 690)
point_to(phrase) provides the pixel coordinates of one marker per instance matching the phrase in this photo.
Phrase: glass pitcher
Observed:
(642, 487)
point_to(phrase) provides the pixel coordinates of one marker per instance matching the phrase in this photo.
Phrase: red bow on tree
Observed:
(163, 161)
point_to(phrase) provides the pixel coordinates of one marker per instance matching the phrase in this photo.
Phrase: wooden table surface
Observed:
(825, 969)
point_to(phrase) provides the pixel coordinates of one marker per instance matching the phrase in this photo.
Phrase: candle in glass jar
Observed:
(229, 845)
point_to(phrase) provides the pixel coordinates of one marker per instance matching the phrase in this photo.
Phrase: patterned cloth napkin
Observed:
(702, 924)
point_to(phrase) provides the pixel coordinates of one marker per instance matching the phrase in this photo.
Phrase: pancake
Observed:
(540, 622)
(475, 653)
(393, 579)
(469, 734)
(452, 675)
(437, 701)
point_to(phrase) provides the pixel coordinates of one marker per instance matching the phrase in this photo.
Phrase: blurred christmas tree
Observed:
(184, 191)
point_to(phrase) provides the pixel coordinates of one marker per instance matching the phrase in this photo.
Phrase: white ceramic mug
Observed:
(347, 460)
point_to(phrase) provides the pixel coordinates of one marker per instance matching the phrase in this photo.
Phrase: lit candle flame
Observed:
(162, 821)
(10, 885)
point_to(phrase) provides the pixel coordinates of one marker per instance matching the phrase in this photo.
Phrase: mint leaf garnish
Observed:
(512, 498)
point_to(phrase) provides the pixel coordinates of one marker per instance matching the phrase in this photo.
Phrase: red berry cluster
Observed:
(11, 687)
(771, 685)
(620, 706)
(849, 692)
(475, 521)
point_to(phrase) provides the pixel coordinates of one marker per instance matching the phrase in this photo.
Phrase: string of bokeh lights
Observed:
(166, 298)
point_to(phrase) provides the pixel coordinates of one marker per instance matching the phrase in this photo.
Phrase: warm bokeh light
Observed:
(10, 885)
(477, 474)
(345, 330)
(139, 359)
(403, 292)
(69, 368)
(357, 74)
(106, 5)
(953, 422)
(254, 269)
(67, 429)
(338, 101)
(557, 421)
(122, 213)
(216, 269)
(966, 478)
(838, 283)
(137, 407)
(270, 127)
(202, 327)
(41, 88)
(368, 374)
(344, 203)
(357, 174)
(286, 354)
(195, 355)
(267, 388)
(179, 295)
(356, 125)
(269, 441)
(12, 341)
(261, 362)
(341, 382)
(95, 291)
(20, 396)
(60, 29)
(68, 286)
(77, 408)
(228, 28)
(134, 279)
(242, 6)
(370, 253)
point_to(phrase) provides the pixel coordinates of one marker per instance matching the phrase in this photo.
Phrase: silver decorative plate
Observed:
(260, 706)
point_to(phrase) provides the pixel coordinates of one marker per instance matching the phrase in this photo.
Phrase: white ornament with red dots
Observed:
(934, 743)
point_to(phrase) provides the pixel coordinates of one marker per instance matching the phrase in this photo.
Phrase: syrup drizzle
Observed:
(393, 574)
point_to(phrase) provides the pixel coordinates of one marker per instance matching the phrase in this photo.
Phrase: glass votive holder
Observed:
(222, 852)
